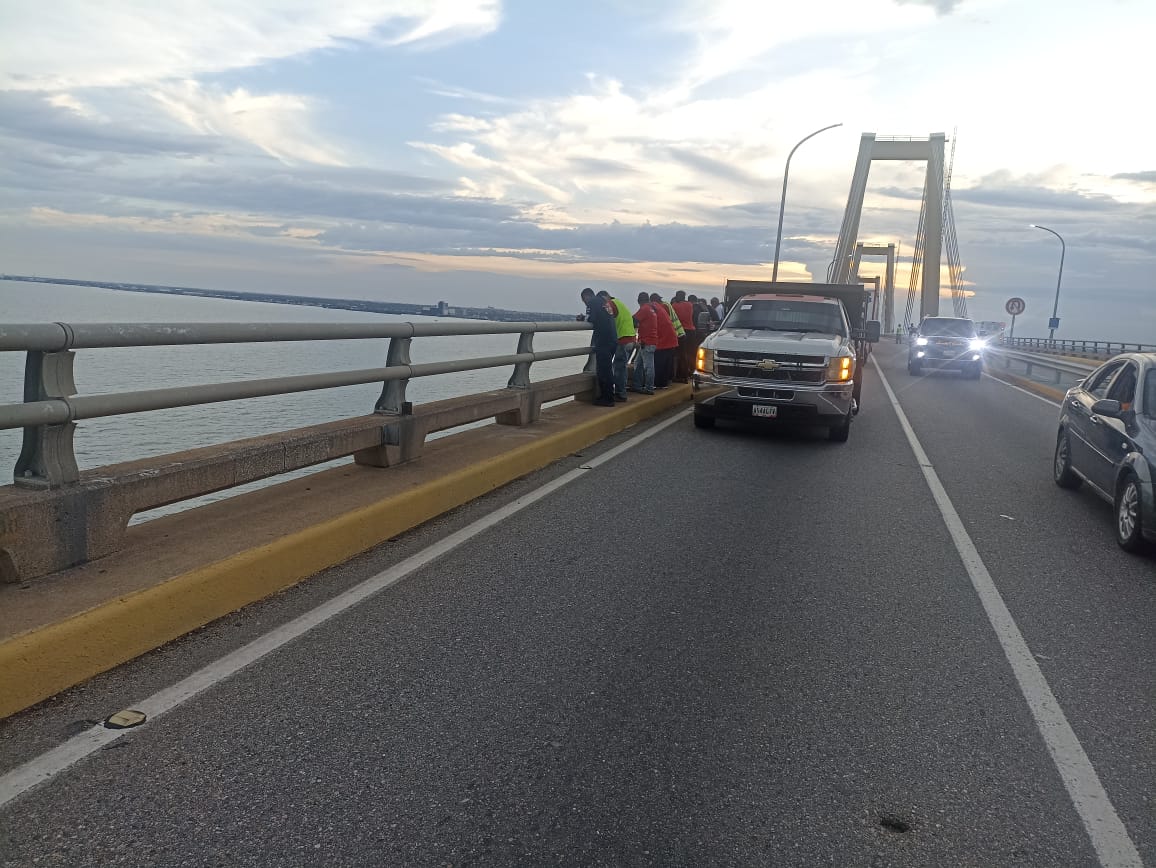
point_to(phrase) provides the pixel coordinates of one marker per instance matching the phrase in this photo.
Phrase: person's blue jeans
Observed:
(621, 357)
(644, 369)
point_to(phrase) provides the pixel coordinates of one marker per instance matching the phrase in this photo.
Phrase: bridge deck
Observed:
(715, 648)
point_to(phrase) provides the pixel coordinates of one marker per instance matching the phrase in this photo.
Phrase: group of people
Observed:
(911, 330)
(662, 336)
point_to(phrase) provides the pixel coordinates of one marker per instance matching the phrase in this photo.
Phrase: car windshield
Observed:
(1150, 395)
(948, 328)
(787, 315)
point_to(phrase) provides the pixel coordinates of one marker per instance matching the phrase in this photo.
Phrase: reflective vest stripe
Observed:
(674, 320)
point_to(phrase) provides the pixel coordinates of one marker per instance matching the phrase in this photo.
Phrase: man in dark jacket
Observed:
(605, 342)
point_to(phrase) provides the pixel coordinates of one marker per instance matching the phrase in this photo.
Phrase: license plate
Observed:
(768, 411)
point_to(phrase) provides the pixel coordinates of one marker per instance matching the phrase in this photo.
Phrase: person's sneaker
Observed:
(604, 402)
(619, 397)
(648, 391)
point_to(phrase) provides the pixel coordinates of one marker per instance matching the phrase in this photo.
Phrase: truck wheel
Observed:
(914, 368)
(839, 433)
(976, 371)
(701, 420)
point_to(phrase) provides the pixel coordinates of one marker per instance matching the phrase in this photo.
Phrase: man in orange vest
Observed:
(686, 344)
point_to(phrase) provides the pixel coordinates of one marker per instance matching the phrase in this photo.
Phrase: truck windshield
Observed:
(786, 315)
(947, 328)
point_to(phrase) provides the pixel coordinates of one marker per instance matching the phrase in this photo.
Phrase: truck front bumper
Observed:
(828, 404)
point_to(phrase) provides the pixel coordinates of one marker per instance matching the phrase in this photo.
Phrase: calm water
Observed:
(105, 441)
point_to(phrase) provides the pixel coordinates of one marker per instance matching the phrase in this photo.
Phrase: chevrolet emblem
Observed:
(768, 365)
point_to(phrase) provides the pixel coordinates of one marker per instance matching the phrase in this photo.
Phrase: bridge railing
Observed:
(1062, 373)
(84, 515)
(1104, 349)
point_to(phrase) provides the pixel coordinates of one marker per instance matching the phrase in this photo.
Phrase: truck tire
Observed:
(976, 371)
(840, 432)
(701, 420)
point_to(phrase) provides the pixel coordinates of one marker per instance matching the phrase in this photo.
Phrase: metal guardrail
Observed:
(1060, 368)
(51, 405)
(1052, 345)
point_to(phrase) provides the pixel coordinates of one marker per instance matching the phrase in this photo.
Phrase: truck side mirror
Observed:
(872, 330)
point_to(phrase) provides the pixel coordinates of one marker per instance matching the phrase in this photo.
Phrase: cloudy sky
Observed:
(508, 152)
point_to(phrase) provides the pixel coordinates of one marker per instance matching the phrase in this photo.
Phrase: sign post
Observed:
(1014, 306)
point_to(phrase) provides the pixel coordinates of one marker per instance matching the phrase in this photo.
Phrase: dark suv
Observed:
(947, 343)
(1107, 438)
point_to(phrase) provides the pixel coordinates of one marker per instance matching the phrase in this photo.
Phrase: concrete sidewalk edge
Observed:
(42, 662)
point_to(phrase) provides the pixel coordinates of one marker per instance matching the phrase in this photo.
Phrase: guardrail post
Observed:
(401, 440)
(520, 379)
(47, 459)
(591, 361)
(529, 410)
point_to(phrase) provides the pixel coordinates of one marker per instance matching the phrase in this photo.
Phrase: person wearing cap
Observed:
(604, 344)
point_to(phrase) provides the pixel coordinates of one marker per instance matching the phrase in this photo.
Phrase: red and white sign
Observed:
(1015, 306)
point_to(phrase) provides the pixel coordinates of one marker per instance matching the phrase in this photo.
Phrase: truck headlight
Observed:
(921, 342)
(704, 363)
(840, 369)
(978, 344)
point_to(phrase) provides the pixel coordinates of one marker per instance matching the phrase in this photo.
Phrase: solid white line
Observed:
(1110, 839)
(1030, 394)
(51, 763)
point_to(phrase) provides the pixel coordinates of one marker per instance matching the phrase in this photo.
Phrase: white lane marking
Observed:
(1030, 394)
(51, 763)
(1110, 839)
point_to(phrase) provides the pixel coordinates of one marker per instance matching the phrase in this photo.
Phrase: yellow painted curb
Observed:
(42, 662)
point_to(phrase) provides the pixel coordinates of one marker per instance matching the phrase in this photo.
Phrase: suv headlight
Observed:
(704, 363)
(978, 344)
(840, 369)
(921, 342)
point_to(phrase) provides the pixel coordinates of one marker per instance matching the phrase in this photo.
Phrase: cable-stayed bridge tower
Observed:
(936, 223)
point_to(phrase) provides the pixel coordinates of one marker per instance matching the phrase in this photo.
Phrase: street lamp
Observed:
(1059, 277)
(783, 200)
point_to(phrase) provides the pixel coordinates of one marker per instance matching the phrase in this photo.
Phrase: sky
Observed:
(510, 152)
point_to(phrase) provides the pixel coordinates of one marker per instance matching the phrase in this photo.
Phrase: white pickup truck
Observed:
(788, 357)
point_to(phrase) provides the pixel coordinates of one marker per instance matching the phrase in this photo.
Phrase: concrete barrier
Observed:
(64, 647)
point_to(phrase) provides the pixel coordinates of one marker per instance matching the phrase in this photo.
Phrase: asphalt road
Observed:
(719, 648)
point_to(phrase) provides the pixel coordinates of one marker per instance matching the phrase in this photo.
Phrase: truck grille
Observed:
(790, 368)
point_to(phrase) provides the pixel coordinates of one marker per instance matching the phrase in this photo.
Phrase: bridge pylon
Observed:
(929, 242)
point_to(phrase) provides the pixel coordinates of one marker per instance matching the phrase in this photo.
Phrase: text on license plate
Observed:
(769, 411)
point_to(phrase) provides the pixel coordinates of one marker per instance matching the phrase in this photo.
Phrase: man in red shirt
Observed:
(667, 344)
(687, 345)
(647, 320)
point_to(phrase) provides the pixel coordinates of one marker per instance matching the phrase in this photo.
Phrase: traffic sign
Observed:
(1054, 322)
(1015, 306)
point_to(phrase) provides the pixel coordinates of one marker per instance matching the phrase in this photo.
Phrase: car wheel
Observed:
(839, 433)
(1129, 532)
(1062, 471)
(701, 420)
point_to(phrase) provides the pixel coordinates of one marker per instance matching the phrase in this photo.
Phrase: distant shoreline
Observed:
(384, 307)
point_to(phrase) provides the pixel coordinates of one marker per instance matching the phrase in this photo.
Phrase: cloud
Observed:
(279, 124)
(53, 47)
(1142, 177)
(941, 7)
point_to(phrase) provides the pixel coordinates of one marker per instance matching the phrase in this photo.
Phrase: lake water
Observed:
(122, 438)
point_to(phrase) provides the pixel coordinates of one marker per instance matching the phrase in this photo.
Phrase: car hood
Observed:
(762, 341)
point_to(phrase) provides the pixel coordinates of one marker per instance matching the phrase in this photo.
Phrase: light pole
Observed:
(783, 200)
(1059, 277)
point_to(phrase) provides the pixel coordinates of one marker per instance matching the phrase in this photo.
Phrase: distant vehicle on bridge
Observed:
(794, 353)
(1107, 438)
(987, 328)
(948, 344)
